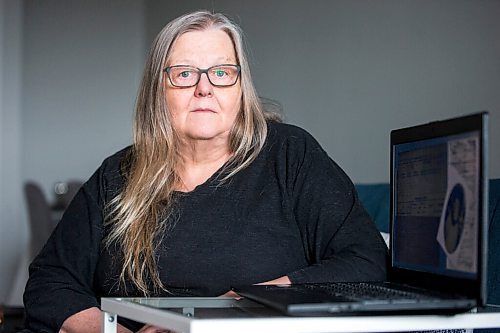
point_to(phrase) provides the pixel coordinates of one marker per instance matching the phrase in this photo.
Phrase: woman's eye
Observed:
(219, 72)
(185, 74)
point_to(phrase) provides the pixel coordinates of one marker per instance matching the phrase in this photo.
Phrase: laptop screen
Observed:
(439, 195)
(436, 205)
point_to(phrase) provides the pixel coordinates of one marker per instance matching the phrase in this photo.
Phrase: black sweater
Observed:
(292, 212)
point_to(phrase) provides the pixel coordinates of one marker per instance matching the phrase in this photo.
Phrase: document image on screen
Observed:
(458, 228)
(421, 181)
(436, 210)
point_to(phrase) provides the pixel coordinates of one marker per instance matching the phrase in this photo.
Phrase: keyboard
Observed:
(367, 291)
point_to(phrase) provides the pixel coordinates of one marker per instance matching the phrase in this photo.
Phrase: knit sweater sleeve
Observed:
(61, 277)
(339, 238)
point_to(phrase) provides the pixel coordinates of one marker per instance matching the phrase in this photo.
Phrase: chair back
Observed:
(40, 217)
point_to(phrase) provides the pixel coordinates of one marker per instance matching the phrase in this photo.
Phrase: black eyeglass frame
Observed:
(201, 71)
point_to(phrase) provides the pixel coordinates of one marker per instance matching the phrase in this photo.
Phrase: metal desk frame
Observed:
(185, 320)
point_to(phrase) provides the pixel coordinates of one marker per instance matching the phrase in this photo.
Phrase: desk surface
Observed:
(229, 315)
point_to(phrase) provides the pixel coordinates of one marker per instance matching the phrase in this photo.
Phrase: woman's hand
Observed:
(231, 293)
(153, 329)
(280, 280)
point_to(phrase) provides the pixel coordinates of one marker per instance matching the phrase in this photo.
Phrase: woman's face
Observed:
(203, 112)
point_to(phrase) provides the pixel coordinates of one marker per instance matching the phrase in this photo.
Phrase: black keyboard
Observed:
(357, 291)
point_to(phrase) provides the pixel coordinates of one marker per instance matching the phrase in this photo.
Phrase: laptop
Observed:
(438, 231)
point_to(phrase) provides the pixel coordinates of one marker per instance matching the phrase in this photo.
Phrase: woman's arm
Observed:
(87, 321)
(62, 277)
(340, 239)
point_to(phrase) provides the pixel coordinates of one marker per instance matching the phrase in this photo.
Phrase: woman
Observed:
(212, 193)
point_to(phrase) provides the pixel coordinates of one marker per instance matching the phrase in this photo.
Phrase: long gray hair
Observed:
(138, 214)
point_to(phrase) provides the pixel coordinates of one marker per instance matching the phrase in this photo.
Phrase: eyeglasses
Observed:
(183, 76)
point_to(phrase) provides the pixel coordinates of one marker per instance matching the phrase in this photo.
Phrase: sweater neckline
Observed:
(208, 184)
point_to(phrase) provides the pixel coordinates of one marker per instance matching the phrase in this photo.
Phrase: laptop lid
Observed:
(439, 202)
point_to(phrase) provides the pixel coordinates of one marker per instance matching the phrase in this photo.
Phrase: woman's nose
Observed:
(204, 87)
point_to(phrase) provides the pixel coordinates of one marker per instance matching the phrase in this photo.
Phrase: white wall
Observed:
(372, 66)
(78, 66)
(82, 64)
(13, 228)
(348, 71)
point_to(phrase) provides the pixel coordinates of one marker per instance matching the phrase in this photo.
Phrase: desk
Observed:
(229, 315)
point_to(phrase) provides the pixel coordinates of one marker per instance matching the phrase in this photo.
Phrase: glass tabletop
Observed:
(205, 307)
